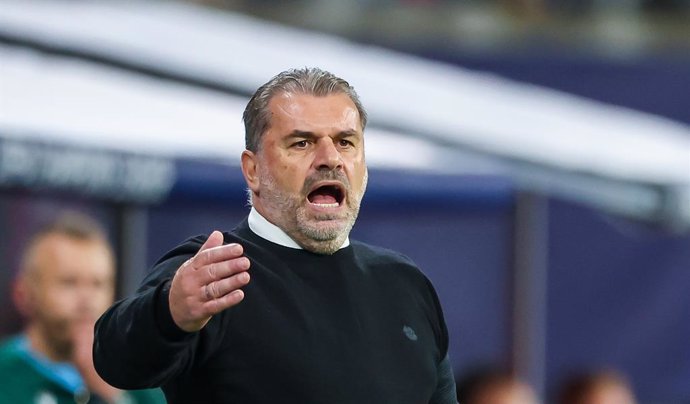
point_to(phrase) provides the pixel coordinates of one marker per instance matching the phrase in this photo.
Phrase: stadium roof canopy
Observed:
(81, 73)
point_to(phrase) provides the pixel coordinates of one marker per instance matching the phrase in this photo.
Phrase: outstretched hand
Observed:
(208, 283)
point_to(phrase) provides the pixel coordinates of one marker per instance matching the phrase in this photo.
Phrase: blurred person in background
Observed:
(324, 319)
(65, 281)
(494, 386)
(606, 387)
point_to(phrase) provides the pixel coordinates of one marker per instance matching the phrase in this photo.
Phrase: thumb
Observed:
(215, 239)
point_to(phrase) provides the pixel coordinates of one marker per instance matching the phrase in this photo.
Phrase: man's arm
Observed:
(147, 339)
(445, 388)
(137, 344)
(445, 392)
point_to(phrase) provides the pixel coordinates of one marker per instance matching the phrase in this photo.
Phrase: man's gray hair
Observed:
(309, 81)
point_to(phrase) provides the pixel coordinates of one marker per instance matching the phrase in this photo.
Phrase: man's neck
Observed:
(39, 344)
(269, 231)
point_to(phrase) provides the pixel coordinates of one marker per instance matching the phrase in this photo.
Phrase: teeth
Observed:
(327, 205)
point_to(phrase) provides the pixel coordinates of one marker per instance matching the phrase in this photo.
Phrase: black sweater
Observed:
(363, 325)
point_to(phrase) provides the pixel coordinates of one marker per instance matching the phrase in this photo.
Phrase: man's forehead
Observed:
(309, 113)
(291, 101)
(54, 247)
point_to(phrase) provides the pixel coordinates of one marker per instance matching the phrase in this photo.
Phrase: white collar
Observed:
(267, 230)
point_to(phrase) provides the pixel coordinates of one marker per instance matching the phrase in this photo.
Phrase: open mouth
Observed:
(327, 196)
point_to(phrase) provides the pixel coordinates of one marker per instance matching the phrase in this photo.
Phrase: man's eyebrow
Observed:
(300, 134)
(348, 133)
(304, 134)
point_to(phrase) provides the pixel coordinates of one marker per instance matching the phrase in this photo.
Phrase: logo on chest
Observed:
(409, 333)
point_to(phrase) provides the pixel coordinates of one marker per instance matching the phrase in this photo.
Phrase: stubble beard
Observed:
(322, 233)
(56, 335)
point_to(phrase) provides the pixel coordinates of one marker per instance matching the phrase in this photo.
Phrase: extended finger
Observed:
(209, 293)
(217, 254)
(222, 270)
(214, 239)
(215, 306)
(224, 286)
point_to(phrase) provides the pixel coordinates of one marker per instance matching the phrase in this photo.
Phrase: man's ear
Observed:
(250, 170)
(21, 296)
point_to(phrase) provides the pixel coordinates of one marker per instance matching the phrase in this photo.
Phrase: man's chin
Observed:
(322, 245)
(325, 230)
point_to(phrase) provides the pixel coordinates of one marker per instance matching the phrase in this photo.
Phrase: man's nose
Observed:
(89, 298)
(327, 155)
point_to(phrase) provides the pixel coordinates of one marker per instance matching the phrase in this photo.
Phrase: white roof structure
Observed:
(73, 71)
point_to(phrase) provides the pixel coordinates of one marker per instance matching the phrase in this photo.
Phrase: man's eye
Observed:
(301, 144)
(345, 143)
(68, 282)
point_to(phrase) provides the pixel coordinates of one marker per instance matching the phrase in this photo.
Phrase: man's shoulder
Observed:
(14, 359)
(392, 267)
(382, 256)
(191, 246)
(9, 353)
(17, 377)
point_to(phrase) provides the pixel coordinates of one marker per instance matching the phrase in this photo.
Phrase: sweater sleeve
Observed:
(445, 392)
(445, 388)
(137, 344)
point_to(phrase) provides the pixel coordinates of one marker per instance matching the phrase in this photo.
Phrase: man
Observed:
(66, 280)
(604, 387)
(495, 386)
(324, 319)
